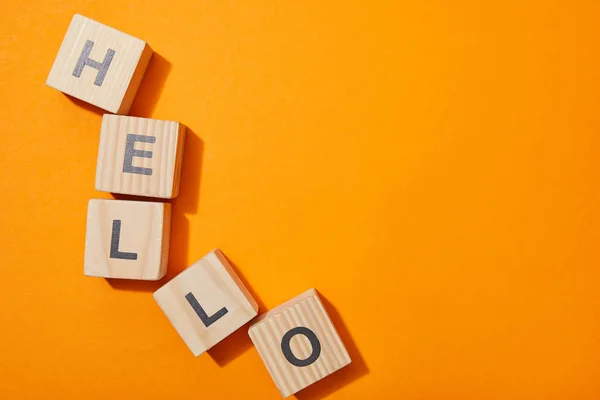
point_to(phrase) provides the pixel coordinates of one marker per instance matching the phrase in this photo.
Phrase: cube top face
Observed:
(127, 239)
(140, 156)
(206, 302)
(298, 343)
(99, 65)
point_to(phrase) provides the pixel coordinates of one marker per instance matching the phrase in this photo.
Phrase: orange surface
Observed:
(431, 167)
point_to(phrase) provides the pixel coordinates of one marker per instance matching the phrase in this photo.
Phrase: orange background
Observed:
(431, 167)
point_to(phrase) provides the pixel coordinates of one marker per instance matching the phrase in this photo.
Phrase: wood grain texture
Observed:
(165, 161)
(144, 230)
(267, 332)
(215, 286)
(123, 77)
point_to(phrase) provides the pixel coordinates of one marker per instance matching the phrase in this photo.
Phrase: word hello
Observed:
(130, 239)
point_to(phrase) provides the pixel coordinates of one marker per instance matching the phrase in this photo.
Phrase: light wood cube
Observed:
(298, 343)
(99, 65)
(206, 302)
(127, 239)
(140, 156)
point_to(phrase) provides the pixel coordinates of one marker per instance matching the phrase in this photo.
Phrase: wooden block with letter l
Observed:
(298, 343)
(127, 239)
(140, 156)
(206, 302)
(100, 65)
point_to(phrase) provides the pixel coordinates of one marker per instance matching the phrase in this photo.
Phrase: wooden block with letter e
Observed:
(99, 65)
(140, 156)
(127, 239)
(298, 343)
(206, 302)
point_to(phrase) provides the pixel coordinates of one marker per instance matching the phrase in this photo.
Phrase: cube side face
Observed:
(135, 81)
(96, 64)
(204, 305)
(139, 156)
(166, 241)
(124, 239)
(299, 345)
(179, 160)
(217, 256)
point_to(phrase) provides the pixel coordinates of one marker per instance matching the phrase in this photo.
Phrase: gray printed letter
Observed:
(114, 243)
(287, 350)
(84, 59)
(130, 152)
(206, 320)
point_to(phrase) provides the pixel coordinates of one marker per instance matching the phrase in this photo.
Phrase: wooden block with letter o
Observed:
(206, 302)
(298, 343)
(100, 65)
(127, 239)
(140, 156)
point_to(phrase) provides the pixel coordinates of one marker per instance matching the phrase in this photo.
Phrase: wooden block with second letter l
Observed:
(127, 239)
(140, 156)
(298, 343)
(99, 65)
(206, 302)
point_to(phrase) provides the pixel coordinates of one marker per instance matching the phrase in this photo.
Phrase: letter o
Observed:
(287, 350)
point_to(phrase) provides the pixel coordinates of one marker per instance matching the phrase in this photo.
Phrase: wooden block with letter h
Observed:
(127, 239)
(100, 65)
(140, 156)
(206, 302)
(298, 343)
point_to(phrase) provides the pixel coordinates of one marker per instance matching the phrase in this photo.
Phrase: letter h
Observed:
(84, 59)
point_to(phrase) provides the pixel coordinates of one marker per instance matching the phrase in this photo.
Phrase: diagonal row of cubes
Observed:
(130, 239)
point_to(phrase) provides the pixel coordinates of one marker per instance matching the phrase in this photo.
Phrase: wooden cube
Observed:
(206, 302)
(140, 156)
(99, 65)
(298, 343)
(127, 239)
